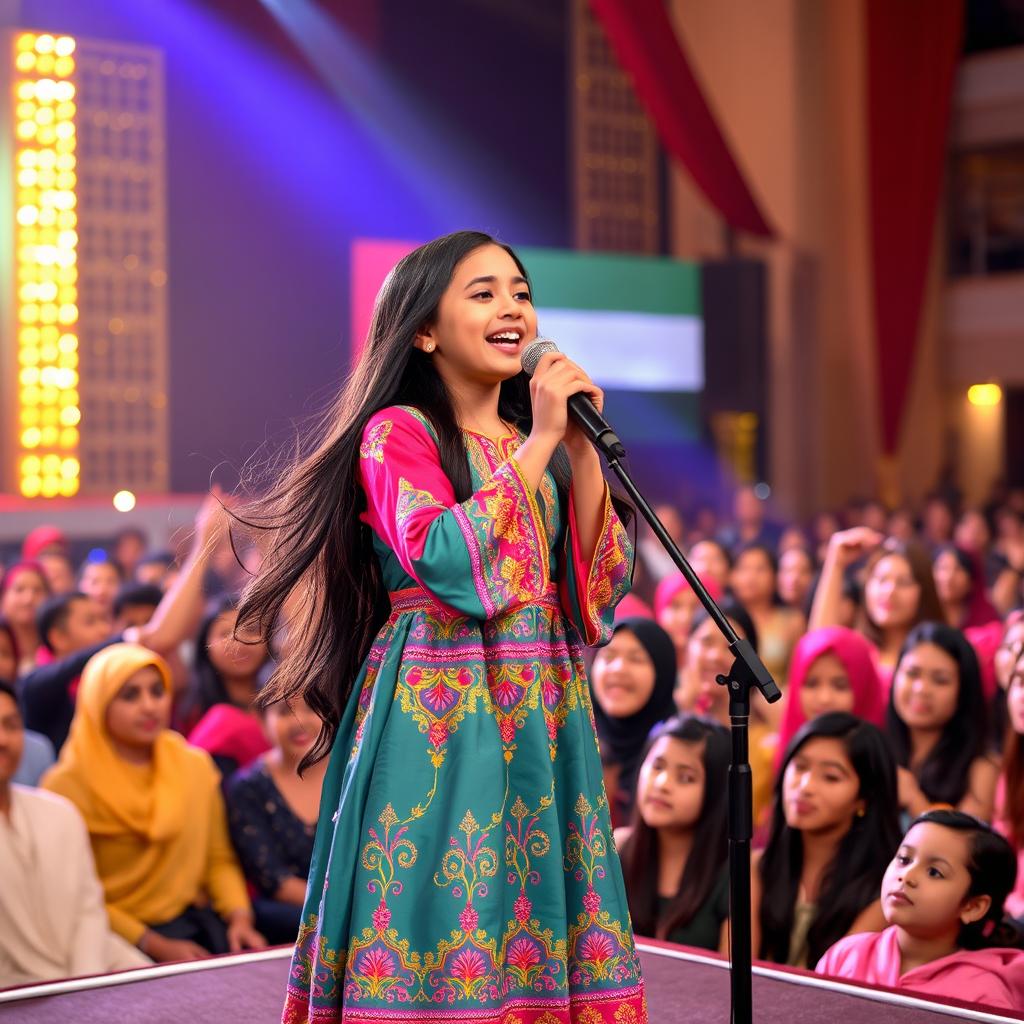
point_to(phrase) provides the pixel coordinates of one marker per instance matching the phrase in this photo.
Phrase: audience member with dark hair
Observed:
(711, 560)
(960, 584)
(219, 713)
(59, 571)
(834, 828)
(942, 897)
(100, 578)
(632, 680)
(135, 604)
(797, 570)
(899, 591)
(1009, 809)
(53, 923)
(153, 808)
(155, 568)
(754, 582)
(272, 813)
(937, 723)
(130, 544)
(674, 852)
(23, 588)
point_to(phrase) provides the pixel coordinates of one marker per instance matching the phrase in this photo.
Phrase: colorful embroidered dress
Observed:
(463, 867)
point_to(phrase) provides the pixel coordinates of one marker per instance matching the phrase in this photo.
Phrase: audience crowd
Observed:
(149, 811)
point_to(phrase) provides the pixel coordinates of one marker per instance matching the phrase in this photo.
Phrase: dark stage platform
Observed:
(684, 986)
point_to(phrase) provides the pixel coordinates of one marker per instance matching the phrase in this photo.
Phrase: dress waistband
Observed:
(416, 599)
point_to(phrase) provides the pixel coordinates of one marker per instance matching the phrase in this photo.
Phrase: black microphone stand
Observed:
(747, 671)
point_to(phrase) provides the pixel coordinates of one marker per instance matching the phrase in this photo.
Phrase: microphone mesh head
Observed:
(533, 352)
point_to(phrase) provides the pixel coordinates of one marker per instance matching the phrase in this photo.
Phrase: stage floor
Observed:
(683, 987)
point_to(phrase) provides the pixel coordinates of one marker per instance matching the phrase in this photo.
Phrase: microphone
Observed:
(581, 408)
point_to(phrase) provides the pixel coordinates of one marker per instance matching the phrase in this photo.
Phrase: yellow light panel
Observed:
(46, 248)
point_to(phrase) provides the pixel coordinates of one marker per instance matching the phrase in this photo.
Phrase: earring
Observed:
(860, 812)
(429, 346)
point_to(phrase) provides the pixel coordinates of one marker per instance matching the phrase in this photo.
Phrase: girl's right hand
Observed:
(554, 381)
(847, 546)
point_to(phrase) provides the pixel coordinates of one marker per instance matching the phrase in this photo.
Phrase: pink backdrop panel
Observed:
(371, 260)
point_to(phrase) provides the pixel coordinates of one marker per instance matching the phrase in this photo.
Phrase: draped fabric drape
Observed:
(912, 51)
(647, 47)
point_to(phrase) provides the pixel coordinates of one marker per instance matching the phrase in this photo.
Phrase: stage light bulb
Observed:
(124, 501)
(984, 394)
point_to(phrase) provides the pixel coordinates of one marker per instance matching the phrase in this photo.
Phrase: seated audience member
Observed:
(753, 582)
(135, 604)
(153, 808)
(937, 723)
(129, 546)
(23, 588)
(942, 897)
(832, 669)
(218, 714)
(675, 604)
(44, 540)
(750, 524)
(707, 657)
(675, 850)
(53, 923)
(960, 584)
(155, 569)
(48, 693)
(632, 680)
(899, 591)
(710, 560)
(59, 572)
(833, 831)
(272, 813)
(1009, 810)
(100, 578)
(796, 578)
(36, 750)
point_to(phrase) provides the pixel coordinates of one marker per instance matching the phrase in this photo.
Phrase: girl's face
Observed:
(100, 581)
(677, 615)
(8, 659)
(623, 676)
(820, 788)
(926, 687)
(925, 886)
(707, 656)
(23, 596)
(230, 657)
(292, 727)
(140, 711)
(952, 581)
(487, 297)
(708, 559)
(670, 789)
(796, 574)
(972, 532)
(753, 578)
(1008, 652)
(826, 688)
(891, 594)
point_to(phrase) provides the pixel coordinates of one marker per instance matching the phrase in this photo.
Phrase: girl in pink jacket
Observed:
(943, 897)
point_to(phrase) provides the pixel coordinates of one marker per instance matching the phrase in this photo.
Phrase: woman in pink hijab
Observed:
(832, 669)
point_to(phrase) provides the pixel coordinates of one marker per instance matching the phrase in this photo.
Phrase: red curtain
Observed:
(912, 50)
(651, 53)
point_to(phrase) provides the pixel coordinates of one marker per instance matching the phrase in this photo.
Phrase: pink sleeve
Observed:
(478, 557)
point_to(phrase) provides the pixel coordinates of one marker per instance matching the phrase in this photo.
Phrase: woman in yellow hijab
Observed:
(154, 811)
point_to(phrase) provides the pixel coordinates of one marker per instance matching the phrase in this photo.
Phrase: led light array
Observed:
(46, 243)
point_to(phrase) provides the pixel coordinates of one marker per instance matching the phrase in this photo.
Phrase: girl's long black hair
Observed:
(320, 557)
(709, 852)
(853, 880)
(945, 774)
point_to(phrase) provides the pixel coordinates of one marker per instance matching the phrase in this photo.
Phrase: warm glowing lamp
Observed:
(984, 394)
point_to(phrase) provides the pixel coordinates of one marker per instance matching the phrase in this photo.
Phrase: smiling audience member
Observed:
(154, 812)
(942, 897)
(833, 830)
(675, 850)
(632, 680)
